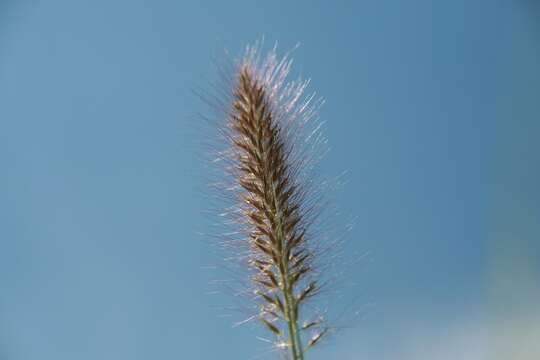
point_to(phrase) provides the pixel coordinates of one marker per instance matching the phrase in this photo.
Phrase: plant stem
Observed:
(294, 335)
(291, 314)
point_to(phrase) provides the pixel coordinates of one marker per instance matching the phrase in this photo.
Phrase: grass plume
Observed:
(271, 147)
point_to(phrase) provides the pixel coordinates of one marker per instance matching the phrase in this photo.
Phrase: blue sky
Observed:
(431, 109)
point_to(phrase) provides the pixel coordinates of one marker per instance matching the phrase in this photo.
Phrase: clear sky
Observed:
(432, 108)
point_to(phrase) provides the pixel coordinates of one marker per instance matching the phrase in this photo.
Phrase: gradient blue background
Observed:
(433, 108)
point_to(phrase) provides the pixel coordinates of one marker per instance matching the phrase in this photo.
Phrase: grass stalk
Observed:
(266, 116)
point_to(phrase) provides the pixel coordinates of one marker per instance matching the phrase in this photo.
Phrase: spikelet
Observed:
(271, 148)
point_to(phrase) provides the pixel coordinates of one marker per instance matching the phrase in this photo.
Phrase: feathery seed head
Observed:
(271, 149)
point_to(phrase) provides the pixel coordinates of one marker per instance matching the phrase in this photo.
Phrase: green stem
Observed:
(294, 335)
(295, 340)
